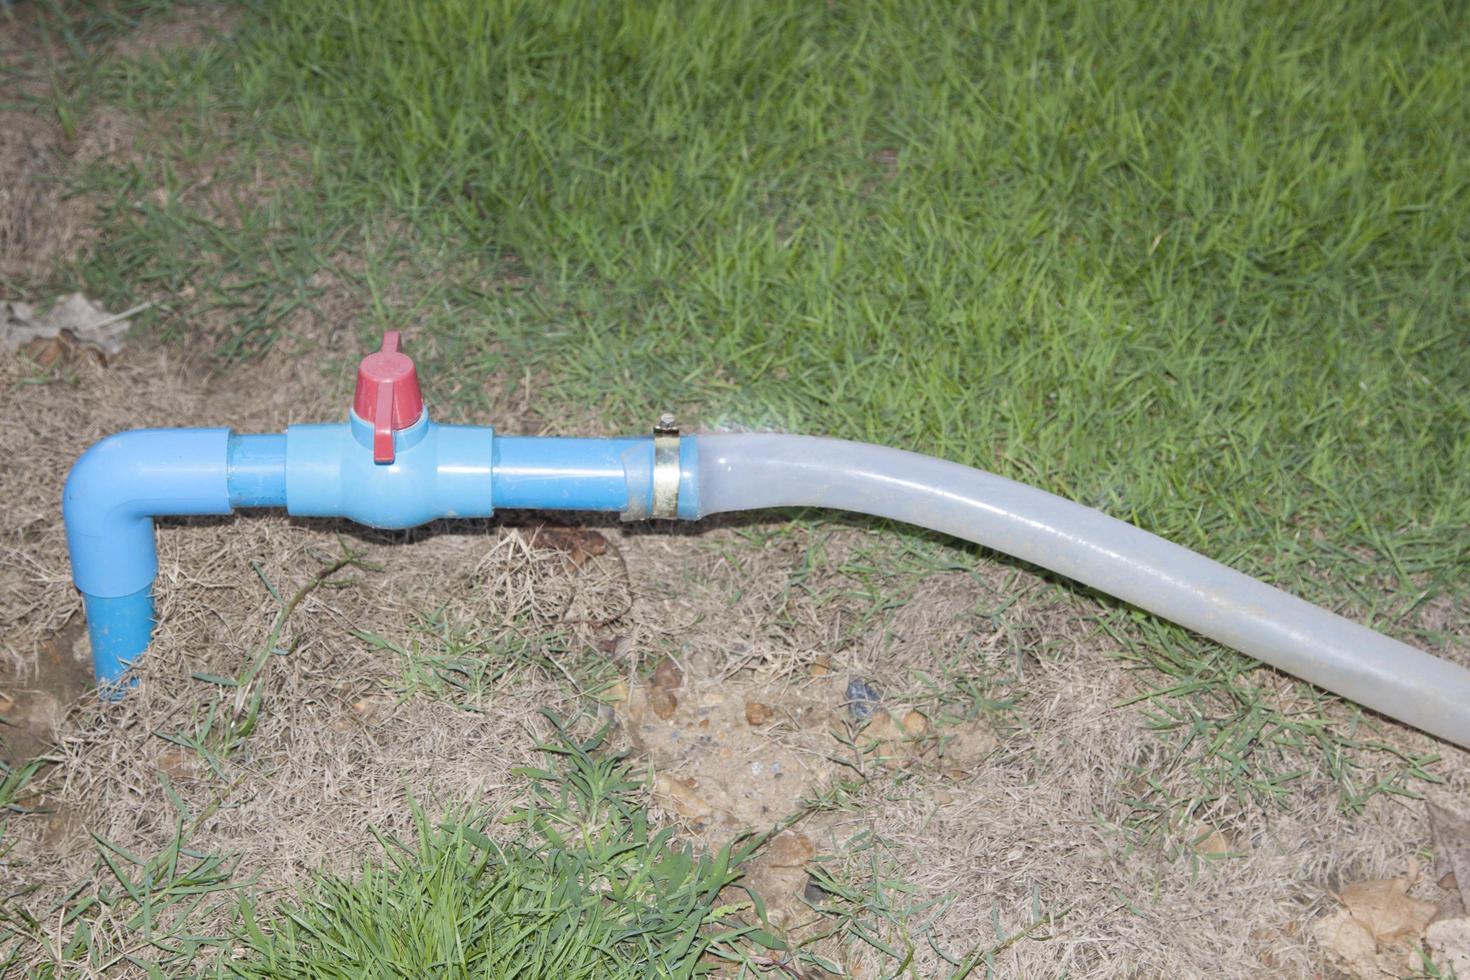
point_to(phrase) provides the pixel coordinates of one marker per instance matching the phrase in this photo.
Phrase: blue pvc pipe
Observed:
(257, 471)
(120, 629)
(556, 473)
(117, 487)
(439, 471)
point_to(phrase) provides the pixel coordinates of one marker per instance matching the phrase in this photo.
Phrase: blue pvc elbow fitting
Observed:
(112, 494)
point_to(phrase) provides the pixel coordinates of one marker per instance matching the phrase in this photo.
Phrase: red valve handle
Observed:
(388, 396)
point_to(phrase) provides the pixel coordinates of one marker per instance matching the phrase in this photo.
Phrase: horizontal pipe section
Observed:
(257, 471)
(558, 473)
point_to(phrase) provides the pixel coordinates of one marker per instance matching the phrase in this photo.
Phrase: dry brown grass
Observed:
(1045, 818)
(335, 752)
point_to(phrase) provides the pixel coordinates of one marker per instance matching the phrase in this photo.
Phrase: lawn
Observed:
(1200, 266)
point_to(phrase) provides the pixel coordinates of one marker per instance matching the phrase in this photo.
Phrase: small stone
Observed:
(679, 795)
(967, 746)
(615, 693)
(822, 666)
(915, 724)
(789, 849)
(757, 713)
(663, 702)
(668, 675)
(862, 699)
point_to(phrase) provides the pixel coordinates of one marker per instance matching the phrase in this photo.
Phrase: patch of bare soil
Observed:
(193, 26)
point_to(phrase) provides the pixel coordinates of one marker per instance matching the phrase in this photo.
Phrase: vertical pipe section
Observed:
(119, 628)
(112, 494)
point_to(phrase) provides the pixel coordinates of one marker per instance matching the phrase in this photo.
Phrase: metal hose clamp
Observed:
(665, 468)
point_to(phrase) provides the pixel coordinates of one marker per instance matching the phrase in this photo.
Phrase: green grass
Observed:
(576, 884)
(589, 890)
(1202, 267)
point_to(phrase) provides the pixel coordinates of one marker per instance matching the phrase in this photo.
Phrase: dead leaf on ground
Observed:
(1342, 935)
(578, 543)
(1385, 909)
(47, 351)
(73, 318)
